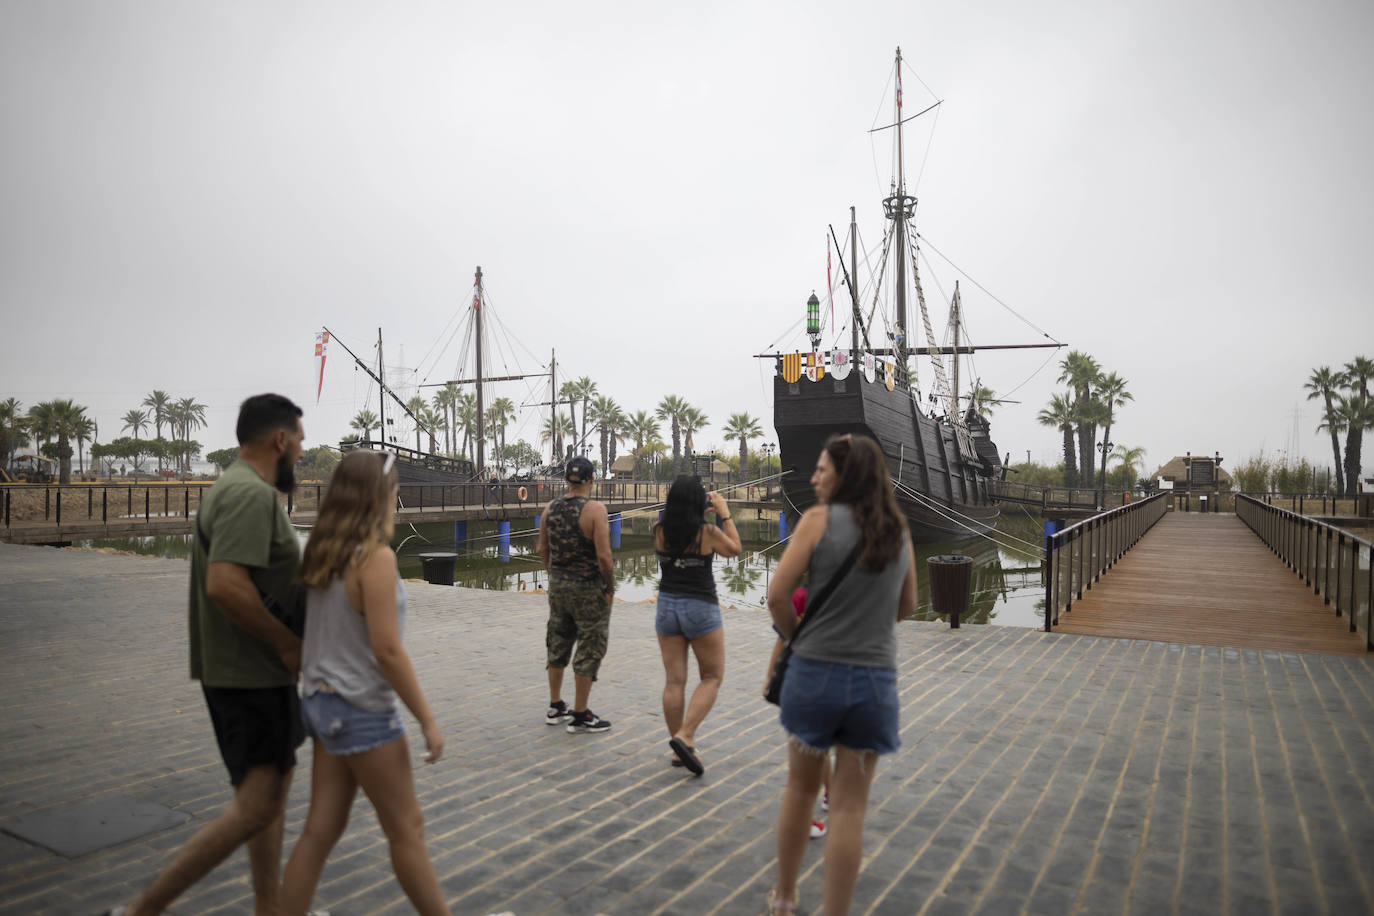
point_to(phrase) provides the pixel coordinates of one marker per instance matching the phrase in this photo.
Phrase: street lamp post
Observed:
(1105, 448)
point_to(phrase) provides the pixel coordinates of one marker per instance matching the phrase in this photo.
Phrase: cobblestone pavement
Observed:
(1039, 773)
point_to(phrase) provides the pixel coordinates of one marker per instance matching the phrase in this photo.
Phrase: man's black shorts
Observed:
(255, 727)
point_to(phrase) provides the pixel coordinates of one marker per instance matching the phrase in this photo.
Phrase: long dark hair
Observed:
(352, 520)
(862, 483)
(684, 513)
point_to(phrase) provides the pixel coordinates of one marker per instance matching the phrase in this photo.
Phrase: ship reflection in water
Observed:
(1007, 588)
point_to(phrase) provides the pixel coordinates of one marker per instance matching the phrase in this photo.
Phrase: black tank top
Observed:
(572, 555)
(688, 575)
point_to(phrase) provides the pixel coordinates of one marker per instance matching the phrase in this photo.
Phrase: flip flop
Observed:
(688, 756)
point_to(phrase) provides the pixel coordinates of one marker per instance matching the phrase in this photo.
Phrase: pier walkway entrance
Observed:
(1207, 579)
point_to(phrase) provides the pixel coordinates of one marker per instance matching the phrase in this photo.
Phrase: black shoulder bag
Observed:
(291, 614)
(774, 694)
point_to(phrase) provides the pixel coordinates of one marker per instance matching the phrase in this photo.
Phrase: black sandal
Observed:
(687, 755)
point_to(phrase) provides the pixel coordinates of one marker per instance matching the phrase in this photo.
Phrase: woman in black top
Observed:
(688, 613)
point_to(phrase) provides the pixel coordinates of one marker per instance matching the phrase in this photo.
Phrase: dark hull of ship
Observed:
(954, 498)
(414, 468)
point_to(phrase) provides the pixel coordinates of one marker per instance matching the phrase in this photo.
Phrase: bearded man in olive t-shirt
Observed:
(246, 659)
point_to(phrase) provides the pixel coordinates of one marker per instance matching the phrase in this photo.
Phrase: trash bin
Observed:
(951, 579)
(438, 567)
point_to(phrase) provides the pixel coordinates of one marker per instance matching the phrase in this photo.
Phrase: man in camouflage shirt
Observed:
(575, 546)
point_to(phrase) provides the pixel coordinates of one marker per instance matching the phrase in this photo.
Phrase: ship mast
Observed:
(899, 208)
(381, 391)
(853, 287)
(954, 416)
(477, 316)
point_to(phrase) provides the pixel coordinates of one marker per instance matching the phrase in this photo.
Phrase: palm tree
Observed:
(584, 388)
(570, 393)
(189, 414)
(159, 401)
(499, 415)
(84, 432)
(652, 451)
(432, 420)
(1081, 371)
(1358, 413)
(446, 399)
(982, 399)
(465, 420)
(672, 408)
(363, 423)
(1060, 414)
(1111, 394)
(607, 416)
(1323, 383)
(642, 426)
(14, 432)
(136, 421)
(416, 405)
(1127, 460)
(742, 427)
(553, 432)
(60, 420)
(692, 420)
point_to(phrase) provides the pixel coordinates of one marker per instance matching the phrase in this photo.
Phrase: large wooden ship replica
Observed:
(940, 452)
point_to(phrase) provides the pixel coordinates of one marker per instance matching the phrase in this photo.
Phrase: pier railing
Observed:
(1310, 503)
(81, 504)
(1336, 564)
(1077, 556)
(58, 507)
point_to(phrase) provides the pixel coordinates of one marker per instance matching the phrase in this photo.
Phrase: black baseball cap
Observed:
(579, 470)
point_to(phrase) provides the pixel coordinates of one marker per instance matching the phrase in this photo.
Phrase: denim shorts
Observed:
(829, 703)
(679, 615)
(344, 728)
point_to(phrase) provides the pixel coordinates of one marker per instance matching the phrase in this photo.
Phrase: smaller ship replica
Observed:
(416, 467)
(943, 460)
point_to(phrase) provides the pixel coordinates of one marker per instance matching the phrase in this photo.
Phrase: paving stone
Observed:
(1005, 791)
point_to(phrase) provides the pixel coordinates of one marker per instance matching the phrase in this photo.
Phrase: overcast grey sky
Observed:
(189, 191)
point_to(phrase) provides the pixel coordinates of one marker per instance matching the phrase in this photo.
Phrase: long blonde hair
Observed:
(353, 519)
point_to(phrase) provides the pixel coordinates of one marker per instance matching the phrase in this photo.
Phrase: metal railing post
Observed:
(1340, 558)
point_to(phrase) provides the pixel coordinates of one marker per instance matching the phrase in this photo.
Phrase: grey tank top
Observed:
(338, 653)
(857, 625)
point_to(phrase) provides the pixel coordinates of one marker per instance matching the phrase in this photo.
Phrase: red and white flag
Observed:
(321, 344)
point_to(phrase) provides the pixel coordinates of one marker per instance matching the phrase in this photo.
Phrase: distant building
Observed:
(1189, 473)
(624, 467)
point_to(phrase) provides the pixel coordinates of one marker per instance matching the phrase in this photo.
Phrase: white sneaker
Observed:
(818, 829)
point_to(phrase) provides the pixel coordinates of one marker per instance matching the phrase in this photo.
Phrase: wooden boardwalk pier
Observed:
(1209, 580)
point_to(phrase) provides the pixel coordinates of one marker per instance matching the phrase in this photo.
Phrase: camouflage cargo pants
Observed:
(578, 615)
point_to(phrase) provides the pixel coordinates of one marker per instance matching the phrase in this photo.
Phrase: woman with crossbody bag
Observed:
(840, 684)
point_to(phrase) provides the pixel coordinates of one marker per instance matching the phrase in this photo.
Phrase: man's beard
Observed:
(286, 475)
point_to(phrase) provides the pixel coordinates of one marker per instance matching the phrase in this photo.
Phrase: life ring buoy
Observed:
(523, 494)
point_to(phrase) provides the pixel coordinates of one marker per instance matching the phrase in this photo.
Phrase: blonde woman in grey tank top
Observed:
(354, 668)
(840, 690)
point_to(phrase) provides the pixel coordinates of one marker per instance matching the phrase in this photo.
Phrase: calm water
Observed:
(1007, 588)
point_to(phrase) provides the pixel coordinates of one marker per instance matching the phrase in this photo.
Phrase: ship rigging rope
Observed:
(1026, 321)
(951, 514)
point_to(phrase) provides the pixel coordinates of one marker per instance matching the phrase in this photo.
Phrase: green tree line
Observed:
(584, 421)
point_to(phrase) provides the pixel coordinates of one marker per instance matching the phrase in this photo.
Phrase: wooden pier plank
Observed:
(1207, 579)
